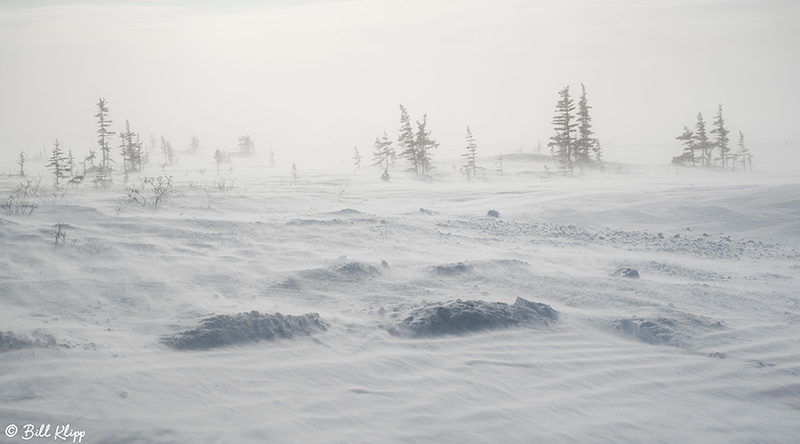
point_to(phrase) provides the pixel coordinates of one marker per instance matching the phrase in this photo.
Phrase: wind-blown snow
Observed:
(702, 347)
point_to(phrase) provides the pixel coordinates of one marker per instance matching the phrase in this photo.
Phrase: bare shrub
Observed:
(151, 191)
(22, 199)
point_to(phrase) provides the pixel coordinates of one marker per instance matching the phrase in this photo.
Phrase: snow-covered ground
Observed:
(704, 346)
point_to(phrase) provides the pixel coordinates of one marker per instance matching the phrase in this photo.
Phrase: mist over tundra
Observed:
(385, 221)
(324, 76)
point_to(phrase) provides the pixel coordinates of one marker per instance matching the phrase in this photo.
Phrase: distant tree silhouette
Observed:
(722, 138)
(470, 166)
(562, 143)
(103, 134)
(59, 163)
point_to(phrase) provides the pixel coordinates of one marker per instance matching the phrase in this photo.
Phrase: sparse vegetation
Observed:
(23, 198)
(151, 191)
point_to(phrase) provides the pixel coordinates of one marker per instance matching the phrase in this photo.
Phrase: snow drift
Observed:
(462, 317)
(222, 330)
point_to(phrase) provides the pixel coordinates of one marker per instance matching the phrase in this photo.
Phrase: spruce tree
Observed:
(194, 144)
(687, 137)
(562, 143)
(470, 167)
(701, 140)
(584, 144)
(424, 144)
(246, 145)
(406, 141)
(722, 138)
(383, 152)
(131, 149)
(743, 154)
(21, 163)
(166, 150)
(104, 135)
(59, 163)
(357, 159)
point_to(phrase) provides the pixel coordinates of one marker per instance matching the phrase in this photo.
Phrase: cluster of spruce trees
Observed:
(573, 145)
(700, 150)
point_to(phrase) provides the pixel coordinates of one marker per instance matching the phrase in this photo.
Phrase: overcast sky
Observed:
(329, 75)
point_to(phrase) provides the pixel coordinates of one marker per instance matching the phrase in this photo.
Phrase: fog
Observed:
(324, 76)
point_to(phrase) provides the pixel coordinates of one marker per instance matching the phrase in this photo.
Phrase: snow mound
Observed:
(627, 272)
(347, 272)
(461, 317)
(10, 341)
(453, 269)
(222, 330)
(683, 330)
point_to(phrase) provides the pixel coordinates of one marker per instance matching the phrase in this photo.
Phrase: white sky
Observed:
(329, 75)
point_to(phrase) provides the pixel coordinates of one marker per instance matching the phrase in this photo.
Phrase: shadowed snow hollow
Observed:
(224, 330)
(461, 317)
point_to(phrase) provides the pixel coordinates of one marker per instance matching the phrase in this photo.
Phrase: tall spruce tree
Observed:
(701, 140)
(406, 141)
(584, 143)
(470, 167)
(103, 134)
(562, 143)
(424, 144)
(722, 138)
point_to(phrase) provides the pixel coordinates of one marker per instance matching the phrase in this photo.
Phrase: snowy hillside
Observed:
(399, 312)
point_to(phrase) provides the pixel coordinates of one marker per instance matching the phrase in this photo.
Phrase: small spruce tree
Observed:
(470, 167)
(59, 163)
(357, 159)
(407, 142)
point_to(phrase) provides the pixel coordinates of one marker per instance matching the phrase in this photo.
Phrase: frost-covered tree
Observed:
(407, 142)
(103, 134)
(357, 159)
(585, 144)
(701, 141)
(722, 138)
(689, 148)
(194, 144)
(382, 152)
(246, 145)
(59, 163)
(424, 144)
(470, 166)
(562, 143)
